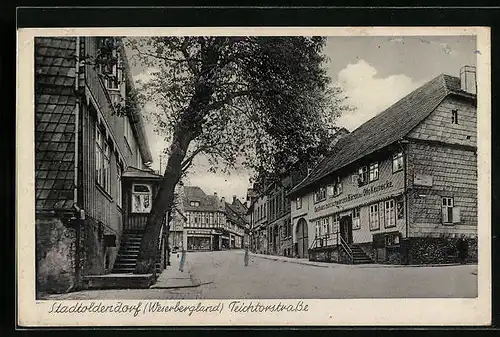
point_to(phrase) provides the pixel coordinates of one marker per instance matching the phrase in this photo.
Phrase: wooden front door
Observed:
(302, 238)
(346, 228)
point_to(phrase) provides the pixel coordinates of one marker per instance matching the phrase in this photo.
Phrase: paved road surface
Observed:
(223, 275)
(264, 278)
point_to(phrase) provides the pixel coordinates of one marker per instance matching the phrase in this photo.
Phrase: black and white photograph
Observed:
(251, 167)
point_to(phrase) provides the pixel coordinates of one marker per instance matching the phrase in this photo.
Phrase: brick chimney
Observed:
(468, 79)
(234, 199)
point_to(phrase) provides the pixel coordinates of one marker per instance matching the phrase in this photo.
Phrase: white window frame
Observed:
(194, 203)
(374, 217)
(390, 214)
(449, 210)
(397, 162)
(356, 223)
(320, 194)
(119, 185)
(142, 207)
(298, 202)
(330, 191)
(103, 161)
(326, 225)
(318, 228)
(373, 172)
(335, 223)
(363, 175)
(337, 187)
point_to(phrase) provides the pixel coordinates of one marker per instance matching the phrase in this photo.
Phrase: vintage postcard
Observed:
(253, 176)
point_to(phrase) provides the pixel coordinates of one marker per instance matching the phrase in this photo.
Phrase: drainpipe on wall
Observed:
(405, 166)
(80, 213)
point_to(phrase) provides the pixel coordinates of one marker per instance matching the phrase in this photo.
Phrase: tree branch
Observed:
(219, 104)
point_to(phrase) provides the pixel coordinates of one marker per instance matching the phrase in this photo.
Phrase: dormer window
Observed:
(194, 203)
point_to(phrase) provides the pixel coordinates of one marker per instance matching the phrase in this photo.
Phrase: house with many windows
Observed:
(212, 223)
(93, 182)
(402, 187)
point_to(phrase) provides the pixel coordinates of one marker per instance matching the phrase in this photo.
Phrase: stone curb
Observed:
(374, 265)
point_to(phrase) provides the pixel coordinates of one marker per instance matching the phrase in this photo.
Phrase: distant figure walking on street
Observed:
(463, 249)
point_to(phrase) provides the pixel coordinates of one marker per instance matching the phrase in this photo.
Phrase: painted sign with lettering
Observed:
(422, 179)
(350, 197)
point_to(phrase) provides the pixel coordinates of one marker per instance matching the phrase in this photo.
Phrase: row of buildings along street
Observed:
(400, 189)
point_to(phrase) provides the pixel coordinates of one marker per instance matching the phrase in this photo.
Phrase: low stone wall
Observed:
(62, 261)
(92, 248)
(55, 256)
(331, 255)
(427, 250)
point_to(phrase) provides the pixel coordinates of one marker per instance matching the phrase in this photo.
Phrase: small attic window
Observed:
(194, 203)
(454, 116)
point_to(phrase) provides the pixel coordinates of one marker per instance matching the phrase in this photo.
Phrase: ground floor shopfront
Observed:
(387, 232)
(212, 240)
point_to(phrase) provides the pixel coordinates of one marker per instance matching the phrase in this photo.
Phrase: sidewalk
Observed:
(173, 278)
(341, 265)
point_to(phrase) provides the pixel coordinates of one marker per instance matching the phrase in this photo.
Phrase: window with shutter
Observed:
(456, 214)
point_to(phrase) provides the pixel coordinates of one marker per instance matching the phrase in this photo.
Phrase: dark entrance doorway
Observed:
(215, 242)
(346, 228)
(302, 240)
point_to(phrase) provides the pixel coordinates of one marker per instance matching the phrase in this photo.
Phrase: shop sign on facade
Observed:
(422, 180)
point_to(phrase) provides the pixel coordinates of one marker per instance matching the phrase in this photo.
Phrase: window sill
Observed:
(400, 170)
(103, 192)
(386, 227)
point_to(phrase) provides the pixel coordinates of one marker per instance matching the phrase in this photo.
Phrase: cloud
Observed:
(368, 93)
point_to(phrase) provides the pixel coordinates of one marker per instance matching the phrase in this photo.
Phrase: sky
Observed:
(374, 73)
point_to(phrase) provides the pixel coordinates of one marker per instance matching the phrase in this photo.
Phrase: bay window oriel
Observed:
(141, 198)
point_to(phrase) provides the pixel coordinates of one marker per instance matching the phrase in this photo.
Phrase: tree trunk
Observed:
(163, 201)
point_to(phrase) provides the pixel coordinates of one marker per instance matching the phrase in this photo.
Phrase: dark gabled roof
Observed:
(195, 193)
(233, 214)
(55, 103)
(386, 128)
(239, 207)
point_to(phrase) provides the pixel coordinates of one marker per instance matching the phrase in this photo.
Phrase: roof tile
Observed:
(54, 123)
